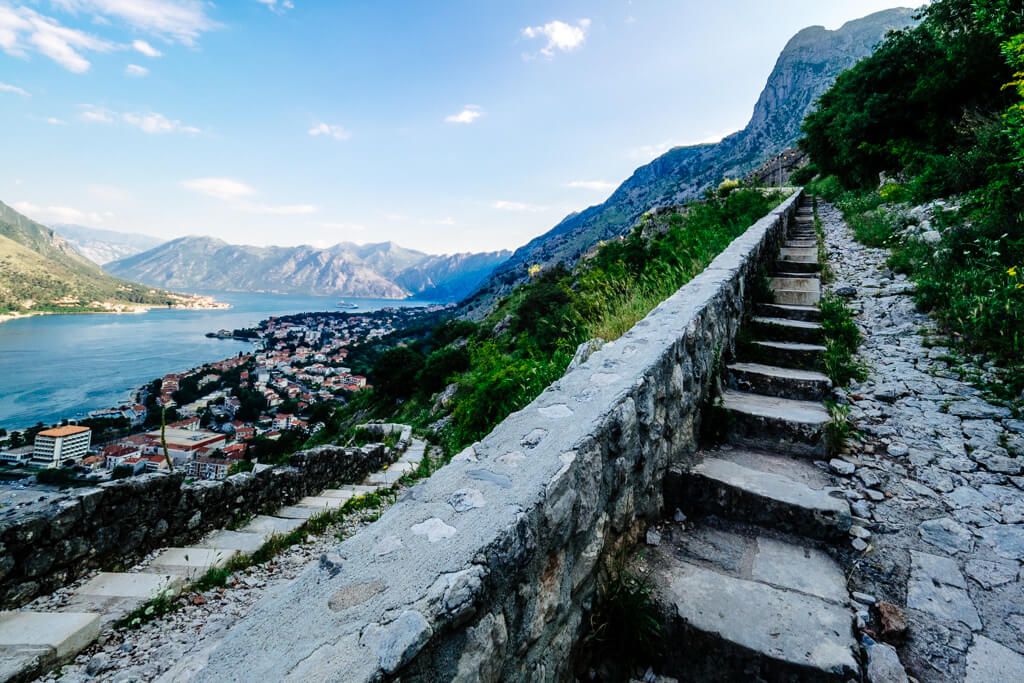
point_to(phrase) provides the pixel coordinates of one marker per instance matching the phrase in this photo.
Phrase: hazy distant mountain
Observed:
(806, 67)
(383, 270)
(40, 270)
(104, 246)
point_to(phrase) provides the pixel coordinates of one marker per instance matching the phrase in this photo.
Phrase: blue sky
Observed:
(444, 126)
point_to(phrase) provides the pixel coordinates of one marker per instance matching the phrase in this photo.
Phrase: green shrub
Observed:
(395, 371)
(842, 337)
(439, 366)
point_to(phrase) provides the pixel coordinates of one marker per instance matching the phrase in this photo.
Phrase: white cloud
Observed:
(560, 36)
(148, 122)
(23, 30)
(94, 114)
(288, 210)
(516, 206)
(54, 121)
(226, 189)
(180, 20)
(334, 225)
(57, 214)
(235, 191)
(136, 70)
(469, 114)
(145, 48)
(595, 185)
(336, 132)
(4, 87)
(277, 8)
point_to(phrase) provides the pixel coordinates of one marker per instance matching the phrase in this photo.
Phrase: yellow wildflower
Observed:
(534, 270)
(1012, 271)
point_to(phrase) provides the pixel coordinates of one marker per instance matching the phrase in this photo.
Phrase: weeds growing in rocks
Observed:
(839, 430)
(842, 337)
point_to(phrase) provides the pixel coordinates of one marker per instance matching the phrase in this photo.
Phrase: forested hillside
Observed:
(937, 113)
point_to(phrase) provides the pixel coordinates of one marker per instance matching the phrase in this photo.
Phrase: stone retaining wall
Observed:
(485, 570)
(120, 521)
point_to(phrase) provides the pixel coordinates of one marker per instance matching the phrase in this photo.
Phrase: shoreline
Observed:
(133, 309)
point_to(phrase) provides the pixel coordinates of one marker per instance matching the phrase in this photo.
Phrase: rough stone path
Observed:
(741, 575)
(937, 479)
(56, 628)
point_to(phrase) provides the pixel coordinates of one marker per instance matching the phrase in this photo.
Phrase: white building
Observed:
(53, 447)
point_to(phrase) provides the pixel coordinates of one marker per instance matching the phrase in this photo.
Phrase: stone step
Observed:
(797, 266)
(320, 503)
(804, 255)
(784, 329)
(32, 642)
(295, 512)
(797, 243)
(803, 283)
(784, 354)
(343, 494)
(771, 380)
(189, 563)
(809, 313)
(773, 491)
(796, 297)
(115, 594)
(244, 542)
(770, 423)
(752, 609)
(268, 526)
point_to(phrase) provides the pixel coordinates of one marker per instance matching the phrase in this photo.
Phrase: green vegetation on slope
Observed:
(40, 271)
(939, 109)
(503, 363)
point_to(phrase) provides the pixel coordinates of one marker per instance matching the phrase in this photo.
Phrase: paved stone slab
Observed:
(988, 662)
(244, 542)
(115, 594)
(61, 634)
(190, 563)
(773, 380)
(807, 412)
(936, 586)
(343, 494)
(804, 636)
(295, 512)
(750, 490)
(320, 503)
(267, 525)
(803, 569)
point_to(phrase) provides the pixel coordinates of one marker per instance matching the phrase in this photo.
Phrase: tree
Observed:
(394, 373)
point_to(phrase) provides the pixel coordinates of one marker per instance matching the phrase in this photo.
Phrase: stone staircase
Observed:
(745, 584)
(33, 641)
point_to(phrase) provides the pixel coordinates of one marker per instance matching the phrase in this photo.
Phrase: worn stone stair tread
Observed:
(748, 630)
(793, 312)
(190, 563)
(115, 594)
(791, 346)
(803, 283)
(295, 512)
(808, 412)
(343, 494)
(269, 525)
(50, 636)
(796, 297)
(320, 503)
(242, 541)
(779, 381)
(788, 322)
(771, 490)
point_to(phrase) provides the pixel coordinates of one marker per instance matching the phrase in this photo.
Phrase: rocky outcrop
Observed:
(806, 67)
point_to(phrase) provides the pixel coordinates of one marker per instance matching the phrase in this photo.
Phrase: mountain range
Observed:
(381, 270)
(104, 246)
(805, 68)
(40, 270)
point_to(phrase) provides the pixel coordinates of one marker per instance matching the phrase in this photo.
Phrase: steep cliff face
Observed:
(104, 246)
(383, 270)
(806, 67)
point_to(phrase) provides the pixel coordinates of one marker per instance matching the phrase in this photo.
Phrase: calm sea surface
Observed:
(63, 366)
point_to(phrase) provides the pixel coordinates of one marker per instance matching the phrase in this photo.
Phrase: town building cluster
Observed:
(221, 408)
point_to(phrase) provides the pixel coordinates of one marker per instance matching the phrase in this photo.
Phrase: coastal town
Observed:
(238, 414)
